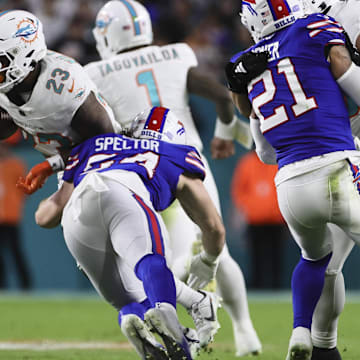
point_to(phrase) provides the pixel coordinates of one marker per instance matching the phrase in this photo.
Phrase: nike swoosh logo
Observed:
(212, 316)
(72, 87)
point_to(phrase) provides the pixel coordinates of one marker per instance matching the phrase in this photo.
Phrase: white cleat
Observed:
(247, 343)
(300, 346)
(204, 314)
(164, 321)
(142, 339)
(193, 341)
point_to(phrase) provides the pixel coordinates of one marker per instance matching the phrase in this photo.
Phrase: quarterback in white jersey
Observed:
(134, 74)
(46, 94)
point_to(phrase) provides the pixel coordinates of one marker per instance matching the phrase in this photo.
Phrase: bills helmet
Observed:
(121, 25)
(263, 17)
(158, 123)
(22, 45)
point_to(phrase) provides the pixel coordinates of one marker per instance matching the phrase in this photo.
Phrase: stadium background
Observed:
(213, 29)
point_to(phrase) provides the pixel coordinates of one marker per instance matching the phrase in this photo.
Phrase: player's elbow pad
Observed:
(267, 156)
(350, 82)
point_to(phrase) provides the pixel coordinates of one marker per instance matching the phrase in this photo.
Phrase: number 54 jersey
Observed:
(299, 104)
(45, 118)
(157, 163)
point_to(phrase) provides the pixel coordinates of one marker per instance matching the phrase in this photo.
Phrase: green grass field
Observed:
(60, 320)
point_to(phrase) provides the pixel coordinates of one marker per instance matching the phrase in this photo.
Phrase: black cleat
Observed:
(325, 354)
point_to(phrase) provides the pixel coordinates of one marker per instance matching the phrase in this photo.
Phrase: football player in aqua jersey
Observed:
(47, 95)
(299, 120)
(134, 74)
(114, 186)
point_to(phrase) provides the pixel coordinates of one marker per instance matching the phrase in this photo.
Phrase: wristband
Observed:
(208, 259)
(225, 131)
(56, 162)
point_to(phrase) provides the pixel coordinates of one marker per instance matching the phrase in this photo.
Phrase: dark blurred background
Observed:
(214, 31)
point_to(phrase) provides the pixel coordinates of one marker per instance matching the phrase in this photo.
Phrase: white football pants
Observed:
(108, 232)
(310, 201)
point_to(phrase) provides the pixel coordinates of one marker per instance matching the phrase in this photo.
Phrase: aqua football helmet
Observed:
(121, 25)
(263, 17)
(22, 45)
(158, 123)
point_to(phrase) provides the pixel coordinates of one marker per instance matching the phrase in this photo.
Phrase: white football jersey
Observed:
(45, 118)
(150, 76)
(348, 15)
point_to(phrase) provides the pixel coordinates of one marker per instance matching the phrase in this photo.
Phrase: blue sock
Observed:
(138, 309)
(158, 280)
(307, 283)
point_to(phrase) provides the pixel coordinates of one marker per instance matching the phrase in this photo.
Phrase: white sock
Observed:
(230, 285)
(185, 295)
(327, 312)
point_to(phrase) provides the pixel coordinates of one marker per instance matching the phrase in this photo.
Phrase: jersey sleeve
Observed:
(72, 165)
(349, 17)
(191, 163)
(187, 54)
(323, 31)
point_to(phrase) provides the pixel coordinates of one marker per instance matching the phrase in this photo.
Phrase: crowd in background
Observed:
(210, 27)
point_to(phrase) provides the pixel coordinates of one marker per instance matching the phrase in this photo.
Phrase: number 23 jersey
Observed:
(45, 118)
(299, 104)
(158, 163)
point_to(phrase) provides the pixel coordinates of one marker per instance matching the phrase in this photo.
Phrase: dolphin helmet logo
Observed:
(27, 30)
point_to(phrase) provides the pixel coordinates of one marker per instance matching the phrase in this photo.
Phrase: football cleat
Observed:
(300, 346)
(247, 342)
(204, 314)
(193, 341)
(142, 339)
(164, 321)
(325, 354)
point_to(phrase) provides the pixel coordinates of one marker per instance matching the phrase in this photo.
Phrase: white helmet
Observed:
(327, 7)
(22, 45)
(158, 123)
(121, 25)
(263, 17)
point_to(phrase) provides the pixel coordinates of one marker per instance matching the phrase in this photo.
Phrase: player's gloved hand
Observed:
(202, 271)
(246, 68)
(36, 178)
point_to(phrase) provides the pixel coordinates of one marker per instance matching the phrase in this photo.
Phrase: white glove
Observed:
(356, 142)
(243, 134)
(202, 271)
(237, 130)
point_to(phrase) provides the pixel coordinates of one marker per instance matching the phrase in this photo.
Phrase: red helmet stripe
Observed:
(279, 8)
(156, 119)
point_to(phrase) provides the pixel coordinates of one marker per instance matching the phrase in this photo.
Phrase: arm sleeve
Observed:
(264, 150)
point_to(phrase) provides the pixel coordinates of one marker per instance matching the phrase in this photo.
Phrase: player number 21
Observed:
(301, 105)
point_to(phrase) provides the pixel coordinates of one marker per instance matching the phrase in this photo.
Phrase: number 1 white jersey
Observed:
(45, 118)
(146, 77)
